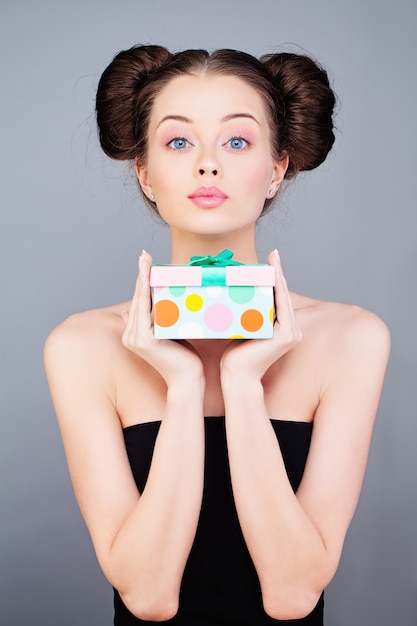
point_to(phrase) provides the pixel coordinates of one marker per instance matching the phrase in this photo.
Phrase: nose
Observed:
(207, 162)
(202, 171)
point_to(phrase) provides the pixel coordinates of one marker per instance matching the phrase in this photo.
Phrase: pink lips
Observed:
(208, 197)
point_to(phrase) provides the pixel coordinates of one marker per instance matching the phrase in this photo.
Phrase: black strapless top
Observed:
(220, 586)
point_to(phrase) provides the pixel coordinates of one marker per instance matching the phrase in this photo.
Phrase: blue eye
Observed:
(237, 143)
(179, 143)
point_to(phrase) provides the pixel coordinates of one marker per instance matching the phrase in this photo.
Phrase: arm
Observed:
(295, 540)
(143, 540)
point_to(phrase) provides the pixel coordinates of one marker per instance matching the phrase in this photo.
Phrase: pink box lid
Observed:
(192, 275)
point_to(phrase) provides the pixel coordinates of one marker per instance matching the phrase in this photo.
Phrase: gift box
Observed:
(213, 298)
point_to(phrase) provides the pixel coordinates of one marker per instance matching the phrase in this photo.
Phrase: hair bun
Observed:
(308, 103)
(116, 94)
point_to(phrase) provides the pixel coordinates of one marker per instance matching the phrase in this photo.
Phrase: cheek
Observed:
(258, 176)
(163, 177)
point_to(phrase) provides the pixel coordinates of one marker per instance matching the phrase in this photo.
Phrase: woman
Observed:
(217, 478)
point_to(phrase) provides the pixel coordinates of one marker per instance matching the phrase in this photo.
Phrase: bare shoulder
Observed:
(88, 327)
(343, 328)
(88, 339)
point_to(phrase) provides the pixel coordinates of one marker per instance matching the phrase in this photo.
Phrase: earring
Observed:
(271, 192)
(151, 197)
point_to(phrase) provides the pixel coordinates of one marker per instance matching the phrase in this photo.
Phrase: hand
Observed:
(172, 359)
(257, 355)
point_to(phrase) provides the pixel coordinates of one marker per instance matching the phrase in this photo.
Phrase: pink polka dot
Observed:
(218, 317)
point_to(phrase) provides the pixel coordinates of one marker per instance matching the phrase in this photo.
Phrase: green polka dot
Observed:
(194, 302)
(241, 295)
(176, 291)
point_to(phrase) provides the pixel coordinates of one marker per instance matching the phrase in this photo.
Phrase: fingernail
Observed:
(276, 253)
(142, 254)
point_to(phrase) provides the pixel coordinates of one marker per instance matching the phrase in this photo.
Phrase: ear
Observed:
(142, 174)
(278, 173)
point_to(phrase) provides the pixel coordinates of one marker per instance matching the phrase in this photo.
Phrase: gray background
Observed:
(73, 226)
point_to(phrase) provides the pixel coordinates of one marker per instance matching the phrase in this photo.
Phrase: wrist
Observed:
(188, 377)
(191, 388)
(233, 369)
(240, 381)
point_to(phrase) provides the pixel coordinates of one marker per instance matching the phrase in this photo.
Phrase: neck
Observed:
(185, 245)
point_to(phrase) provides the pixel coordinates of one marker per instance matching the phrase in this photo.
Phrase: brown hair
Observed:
(298, 99)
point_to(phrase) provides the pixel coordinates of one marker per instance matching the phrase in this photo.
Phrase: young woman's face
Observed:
(209, 161)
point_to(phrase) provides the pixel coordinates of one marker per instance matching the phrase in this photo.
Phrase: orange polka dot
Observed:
(252, 320)
(166, 313)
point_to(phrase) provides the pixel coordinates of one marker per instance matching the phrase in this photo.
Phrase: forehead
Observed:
(207, 96)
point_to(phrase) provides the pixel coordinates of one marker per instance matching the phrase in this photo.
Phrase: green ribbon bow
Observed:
(214, 267)
(223, 259)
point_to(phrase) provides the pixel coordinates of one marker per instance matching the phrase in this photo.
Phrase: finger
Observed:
(283, 303)
(134, 316)
(135, 297)
(140, 302)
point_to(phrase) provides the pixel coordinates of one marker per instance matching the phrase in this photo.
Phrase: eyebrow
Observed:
(233, 116)
(187, 120)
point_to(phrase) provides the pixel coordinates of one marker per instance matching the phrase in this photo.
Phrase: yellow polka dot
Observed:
(252, 320)
(166, 313)
(194, 302)
(272, 314)
(236, 337)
